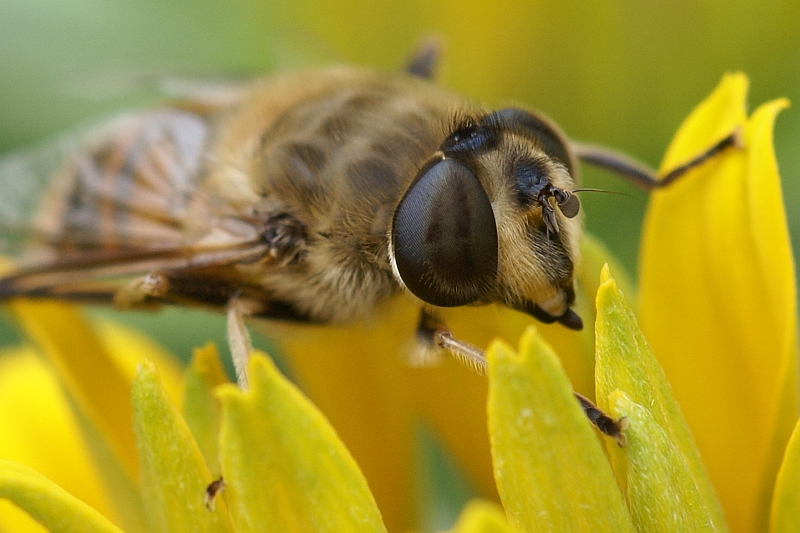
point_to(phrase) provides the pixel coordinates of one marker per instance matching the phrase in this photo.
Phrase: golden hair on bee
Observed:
(311, 196)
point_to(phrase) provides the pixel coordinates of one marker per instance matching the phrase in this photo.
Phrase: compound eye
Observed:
(444, 236)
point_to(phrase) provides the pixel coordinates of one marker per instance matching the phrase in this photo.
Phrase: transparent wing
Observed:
(123, 200)
(25, 177)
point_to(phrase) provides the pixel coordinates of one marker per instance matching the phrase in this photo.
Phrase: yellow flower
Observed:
(716, 303)
(70, 417)
(286, 469)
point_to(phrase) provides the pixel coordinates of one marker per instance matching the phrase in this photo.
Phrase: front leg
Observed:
(638, 173)
(432, 330)
(433, 333)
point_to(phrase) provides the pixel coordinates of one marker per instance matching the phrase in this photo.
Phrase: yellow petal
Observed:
(174, 474)
(284, 465)
(128, 347)
(661, 471)
(453, 398)
(448, 396)
(201, 408)
(551, 472)
(94, 369)
(715, 118)
(86, 370)
(357, 377)
(717, 295)
(785, 515)
(576, 349)
(49, 504)
(41, 433)
(361, 378)
(480, 516)
(12, 518)
(660, 491)
(95, 366)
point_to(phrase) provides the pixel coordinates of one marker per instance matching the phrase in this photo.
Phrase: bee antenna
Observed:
(602, 190)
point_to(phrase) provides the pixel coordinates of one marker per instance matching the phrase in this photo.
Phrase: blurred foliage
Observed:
(618, 72)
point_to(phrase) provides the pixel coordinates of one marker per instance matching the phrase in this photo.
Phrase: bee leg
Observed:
(241, 306)
(638, 173)
(432, 329)
(607, 425)
(286, 237)
(239, 340)
(156, 287)
(425, 60)
(433, 333)
(140, 291)
(212, 491)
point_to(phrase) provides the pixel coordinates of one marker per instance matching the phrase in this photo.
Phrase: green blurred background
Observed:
(620, 73)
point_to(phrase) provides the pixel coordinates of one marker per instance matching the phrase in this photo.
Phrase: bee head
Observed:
(491, 218)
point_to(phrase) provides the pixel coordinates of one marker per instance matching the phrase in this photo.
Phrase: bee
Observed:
(314, 196)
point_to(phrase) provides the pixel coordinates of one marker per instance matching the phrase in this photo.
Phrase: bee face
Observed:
(491, 218)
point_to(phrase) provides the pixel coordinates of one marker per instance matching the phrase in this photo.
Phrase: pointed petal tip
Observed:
(773, 107)
(530, 335)
(606, 279)
(206, 363)
(532, 342)
(731, 92)
(732, 88)
(260, 368)
(605, 273)
(261, 361)
(273, 432)
(720, 113)
(145, 368)
(500, 350)
(206, 352)
(607, 289)
(735, 82)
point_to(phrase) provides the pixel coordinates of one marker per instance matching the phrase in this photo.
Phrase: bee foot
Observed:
(607, 425)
